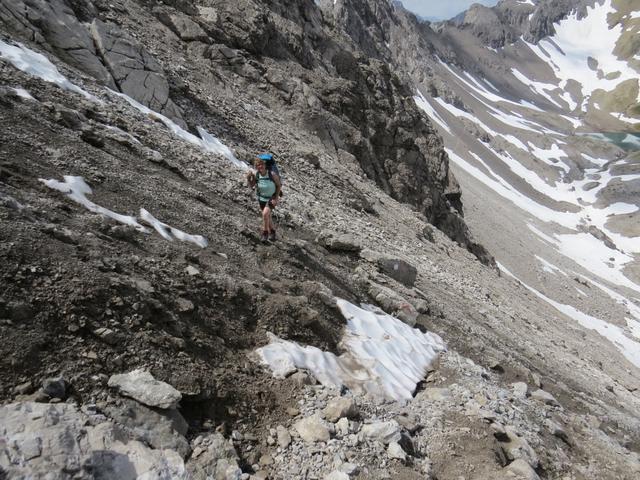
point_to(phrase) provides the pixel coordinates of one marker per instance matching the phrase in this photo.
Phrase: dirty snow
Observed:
(381, 355)
(171, 233)
(431, 113)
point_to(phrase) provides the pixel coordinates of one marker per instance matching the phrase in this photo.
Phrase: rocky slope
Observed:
(93, 286)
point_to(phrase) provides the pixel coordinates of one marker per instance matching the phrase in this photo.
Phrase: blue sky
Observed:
(441, 9)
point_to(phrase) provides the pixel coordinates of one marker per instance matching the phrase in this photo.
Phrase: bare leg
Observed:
(266, 219)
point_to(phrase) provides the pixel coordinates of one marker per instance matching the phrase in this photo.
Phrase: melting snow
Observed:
(77, 190)
(208, 142)
(39, 66)
(616, 335)
(382, 356)
(171, 233)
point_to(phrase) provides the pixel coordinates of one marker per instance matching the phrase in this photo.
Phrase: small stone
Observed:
(106, 335)
(192, 271)
(342, 427)
(141, 386)
(519, 389)
(545, 397)
(337, 475)
(522, 470)
(437, 394)
(384, 432)
(349, 468)
(339, 408)
(284, 437)
(395, 451)
(184, 305)
(266, 460)
(312, 429)
(302, 378)
(55, 387)
(293, 412)
(24, 388)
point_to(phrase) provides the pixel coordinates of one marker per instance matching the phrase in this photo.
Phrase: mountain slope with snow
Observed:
(129, 240)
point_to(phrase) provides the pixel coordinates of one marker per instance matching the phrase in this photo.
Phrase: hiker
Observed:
(267, 184)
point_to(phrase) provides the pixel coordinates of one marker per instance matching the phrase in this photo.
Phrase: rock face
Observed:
(102, 50)
(141, 386)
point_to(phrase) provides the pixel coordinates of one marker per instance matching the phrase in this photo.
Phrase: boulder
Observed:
(395, 451)
(141, 386)
(161, 429)
(59, 441)
(284, 437)
(515, 447)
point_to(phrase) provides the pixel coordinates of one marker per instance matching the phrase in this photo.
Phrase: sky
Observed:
(441, 10)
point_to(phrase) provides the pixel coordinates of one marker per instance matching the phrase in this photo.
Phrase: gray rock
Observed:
(284, 437)
(51, 441)
(399, 270)
(394, 450)
(545, 397)
(384, 432)
(161, 429)
(217, 459)
(337, 475)
(141, 386)
(312, 429)
(521, 470)
(392, 302)
(519, 389)
(55, 387)
(184, 27)
(516, 447)
(341, 242)
(339, 408)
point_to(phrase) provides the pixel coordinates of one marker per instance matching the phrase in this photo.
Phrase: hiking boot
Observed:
(264, 237)
(272, 236)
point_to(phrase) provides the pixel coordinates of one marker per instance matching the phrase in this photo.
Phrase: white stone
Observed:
(141, 386)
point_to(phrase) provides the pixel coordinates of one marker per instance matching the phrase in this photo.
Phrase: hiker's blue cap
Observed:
(265, 156)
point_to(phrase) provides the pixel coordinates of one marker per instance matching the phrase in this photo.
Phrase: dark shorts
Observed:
(264, 204)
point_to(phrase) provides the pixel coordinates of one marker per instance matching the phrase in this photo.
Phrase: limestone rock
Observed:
(312, 429)
(339, 408)
(161, 429)
(49, 441)
(394, 450)
(339, 242)
(399, 270)
(545, 397)
(384, 432)
(284, 438)
(141, 386)
(184, 27)
(218, 460)
(521, 470)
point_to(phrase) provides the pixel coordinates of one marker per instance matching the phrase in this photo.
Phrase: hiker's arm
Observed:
(276, 180)
(251, 179)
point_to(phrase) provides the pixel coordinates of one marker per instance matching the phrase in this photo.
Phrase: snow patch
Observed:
(382, 356)
(39, 66)
(77, 190)
(170, 233)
